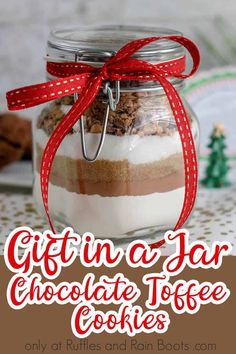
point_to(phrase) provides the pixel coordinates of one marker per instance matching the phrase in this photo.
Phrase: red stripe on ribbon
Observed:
(87, 80)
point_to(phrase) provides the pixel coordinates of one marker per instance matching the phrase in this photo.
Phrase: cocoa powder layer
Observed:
(114, 178)
(120, 188)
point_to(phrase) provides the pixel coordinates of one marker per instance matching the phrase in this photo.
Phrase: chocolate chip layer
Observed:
(142, 113)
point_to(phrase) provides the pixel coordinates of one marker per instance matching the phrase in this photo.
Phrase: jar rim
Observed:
(98, 43)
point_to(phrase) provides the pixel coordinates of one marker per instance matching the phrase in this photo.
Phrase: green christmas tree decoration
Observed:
(217, 168)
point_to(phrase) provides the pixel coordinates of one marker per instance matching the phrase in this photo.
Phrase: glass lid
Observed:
(96, 44)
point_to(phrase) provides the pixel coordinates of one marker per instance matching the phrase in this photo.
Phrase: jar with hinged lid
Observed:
(119, 172)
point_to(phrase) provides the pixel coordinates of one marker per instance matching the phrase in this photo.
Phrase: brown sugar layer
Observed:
(114, 178)
(108, 171)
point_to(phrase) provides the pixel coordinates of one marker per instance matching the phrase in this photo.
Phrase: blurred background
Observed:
(24, 26)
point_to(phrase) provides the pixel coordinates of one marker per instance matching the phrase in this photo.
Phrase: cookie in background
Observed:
(15, 139)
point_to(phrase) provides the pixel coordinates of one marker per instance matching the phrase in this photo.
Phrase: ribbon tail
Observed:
(33, 95)
(157, 244)
(189, 151)
(189, 154)
(85, 99)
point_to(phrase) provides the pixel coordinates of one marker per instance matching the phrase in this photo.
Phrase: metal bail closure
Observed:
(111, 104)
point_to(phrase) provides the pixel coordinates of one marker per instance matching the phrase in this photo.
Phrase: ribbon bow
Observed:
(75, 77)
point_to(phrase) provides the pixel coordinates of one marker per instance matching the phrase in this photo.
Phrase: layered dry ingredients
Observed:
(137, 182)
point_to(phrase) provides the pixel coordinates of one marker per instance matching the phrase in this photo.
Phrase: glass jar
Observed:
(136, 184)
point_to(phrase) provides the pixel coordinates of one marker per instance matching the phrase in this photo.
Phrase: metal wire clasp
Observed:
(111, 104)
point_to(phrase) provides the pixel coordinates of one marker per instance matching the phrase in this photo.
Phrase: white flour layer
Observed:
(112, 216)
(134, 148)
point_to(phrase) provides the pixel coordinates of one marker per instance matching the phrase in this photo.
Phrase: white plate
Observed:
(212, 94)
(18, 174)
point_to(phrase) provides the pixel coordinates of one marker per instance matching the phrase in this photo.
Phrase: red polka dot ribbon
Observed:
(74, 77)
